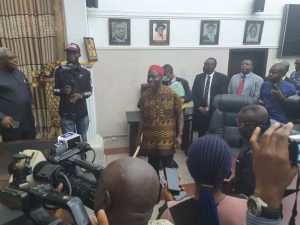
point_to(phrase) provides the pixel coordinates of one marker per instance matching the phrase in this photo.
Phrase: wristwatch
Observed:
(256, 206)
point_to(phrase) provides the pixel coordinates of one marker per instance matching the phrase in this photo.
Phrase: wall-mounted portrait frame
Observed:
(209, 32)
(159, 32)
(253, 32)
(119, 31)
(90, 49)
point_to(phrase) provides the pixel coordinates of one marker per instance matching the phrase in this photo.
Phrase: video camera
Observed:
(65, 164)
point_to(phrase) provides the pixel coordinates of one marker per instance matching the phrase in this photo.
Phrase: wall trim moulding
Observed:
(127, 48)
(92, 13)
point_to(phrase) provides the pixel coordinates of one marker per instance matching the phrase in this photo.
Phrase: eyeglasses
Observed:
(244, 124)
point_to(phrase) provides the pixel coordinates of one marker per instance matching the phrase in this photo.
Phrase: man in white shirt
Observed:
(206, 86)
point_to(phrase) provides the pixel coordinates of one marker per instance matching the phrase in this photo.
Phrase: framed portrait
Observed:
(90, 49)
(159, 32)
(119, 31)
(209, 32)
(253, 32)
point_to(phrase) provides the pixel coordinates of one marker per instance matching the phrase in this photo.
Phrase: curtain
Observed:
(27, 27)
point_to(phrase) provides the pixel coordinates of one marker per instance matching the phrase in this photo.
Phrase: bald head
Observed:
(250, 117)
(3, 55)
(276, 72)
(287, 65)
(8, 60)
(127, 190)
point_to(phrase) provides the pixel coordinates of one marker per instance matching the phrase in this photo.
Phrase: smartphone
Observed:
(294, 148)
(181, 195)
(173, 180)
(15, 124)
(275, 87)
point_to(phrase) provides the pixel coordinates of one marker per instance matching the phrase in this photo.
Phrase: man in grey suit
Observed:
(246, 82)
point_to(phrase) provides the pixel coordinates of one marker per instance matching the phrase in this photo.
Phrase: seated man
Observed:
(248, 119)
(127, 190)
(275, 91)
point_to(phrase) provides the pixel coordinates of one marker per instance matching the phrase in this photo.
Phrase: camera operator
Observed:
(73, 85)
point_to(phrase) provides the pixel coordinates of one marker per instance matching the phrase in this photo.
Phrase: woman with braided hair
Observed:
(209, 163)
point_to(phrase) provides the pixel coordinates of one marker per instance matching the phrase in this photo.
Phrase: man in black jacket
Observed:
(17, 122)
(73, 85)
(206, 86)
(188, 97)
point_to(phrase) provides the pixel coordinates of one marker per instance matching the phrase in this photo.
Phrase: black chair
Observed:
(223, 120)
(292, 110)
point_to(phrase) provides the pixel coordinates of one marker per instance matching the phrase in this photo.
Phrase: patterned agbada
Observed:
(160, 222)
(159, 111)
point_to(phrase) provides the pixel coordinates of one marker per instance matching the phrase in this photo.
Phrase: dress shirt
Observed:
(211, 77)
(173, 80)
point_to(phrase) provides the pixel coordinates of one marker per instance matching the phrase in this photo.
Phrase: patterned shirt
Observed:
(159, 111)
(295, 76)
(159, 222)
(254, 220)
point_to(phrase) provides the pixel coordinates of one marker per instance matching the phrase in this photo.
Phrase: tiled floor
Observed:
(179, 157)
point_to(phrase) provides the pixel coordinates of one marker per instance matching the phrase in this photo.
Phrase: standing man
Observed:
(206, 86)
(246, 82)
(161, 112)
(171, 79)
(17, 122)
(275, 91)
(73, 85)
(295, 76)
(286, 78)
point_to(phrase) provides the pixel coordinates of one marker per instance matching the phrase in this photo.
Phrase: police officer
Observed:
(73, 85)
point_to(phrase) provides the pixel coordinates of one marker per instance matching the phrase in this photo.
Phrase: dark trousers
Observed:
(200, 122)
(154, 160)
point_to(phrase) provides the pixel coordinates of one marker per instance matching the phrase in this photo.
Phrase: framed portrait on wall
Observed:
(90, 49)
(119, 31)
(209, 32)
(159, 32)
(253, 32)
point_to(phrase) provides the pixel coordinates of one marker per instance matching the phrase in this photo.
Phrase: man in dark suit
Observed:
(206, 86)
(171, 78)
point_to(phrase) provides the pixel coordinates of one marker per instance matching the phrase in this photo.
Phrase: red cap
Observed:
(72, 47)
(157, 68)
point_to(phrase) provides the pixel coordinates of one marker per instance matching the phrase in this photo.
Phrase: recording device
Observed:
(69, 70)
(31, 199)
(174, 184)
(173, 180)
(275, 87)
(64, 165)
(294, 148)
(68, 67)
(15, 124)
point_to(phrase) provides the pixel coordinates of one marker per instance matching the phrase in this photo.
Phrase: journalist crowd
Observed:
(256, 184)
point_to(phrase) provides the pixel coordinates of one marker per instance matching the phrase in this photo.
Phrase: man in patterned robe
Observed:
(161, 112)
